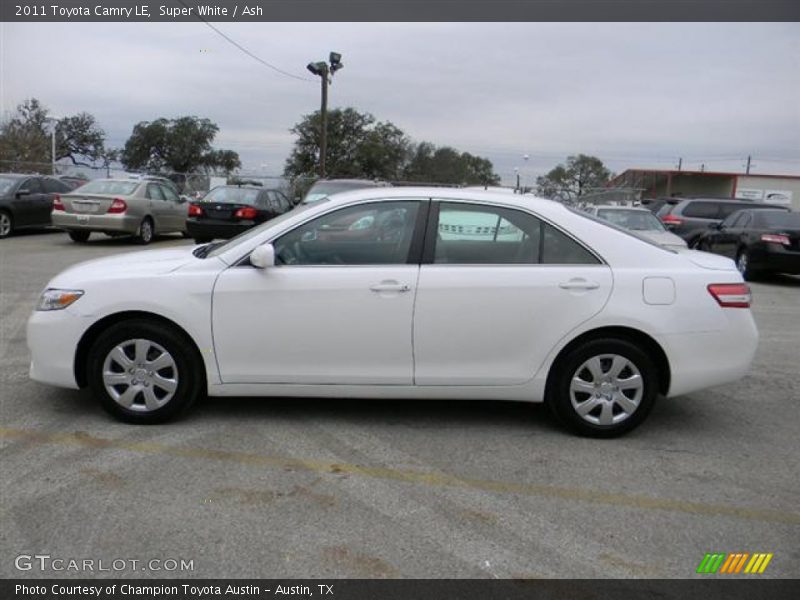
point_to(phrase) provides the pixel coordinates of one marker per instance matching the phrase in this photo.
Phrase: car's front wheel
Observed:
(143, 372)
(604, 388)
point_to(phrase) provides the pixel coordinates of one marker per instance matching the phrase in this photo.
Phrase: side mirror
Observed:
(263, 256)
(23, 192)
(183, 199)
(716, 226)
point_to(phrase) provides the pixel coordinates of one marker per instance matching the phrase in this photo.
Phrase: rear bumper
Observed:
(212, 228)
(113, 223)
(775, 258)
(705, 359)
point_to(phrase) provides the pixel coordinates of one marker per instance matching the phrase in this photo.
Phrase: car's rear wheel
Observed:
(79, 236)
(604, 388)
(744, 266)
(145, 233)
(6, 224)
(143, 372)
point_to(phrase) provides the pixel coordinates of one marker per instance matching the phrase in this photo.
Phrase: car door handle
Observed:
(578, 284)
(390, 286)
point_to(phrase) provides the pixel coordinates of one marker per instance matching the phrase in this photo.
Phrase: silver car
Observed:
(140, 208)
(641, 221)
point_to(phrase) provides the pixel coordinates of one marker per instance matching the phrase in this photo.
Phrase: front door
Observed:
(335, 309)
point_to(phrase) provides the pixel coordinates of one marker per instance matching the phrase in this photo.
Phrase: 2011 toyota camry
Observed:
(402, 293)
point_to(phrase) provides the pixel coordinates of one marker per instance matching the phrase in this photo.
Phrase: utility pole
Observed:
(680, 163)
(325, 72)
(747, 170)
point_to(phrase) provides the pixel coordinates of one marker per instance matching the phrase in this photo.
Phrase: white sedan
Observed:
(402, 293)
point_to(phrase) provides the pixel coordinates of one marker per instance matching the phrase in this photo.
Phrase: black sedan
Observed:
(228, 210)
(761, 241)
(27, 200)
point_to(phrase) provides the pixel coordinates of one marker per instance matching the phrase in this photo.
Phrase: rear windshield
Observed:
(768, 218)
(637, 220)
(232, 195)
(106, 186)
(6, 183)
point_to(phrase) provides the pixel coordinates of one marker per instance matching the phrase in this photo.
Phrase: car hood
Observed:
(709, 261)
(152, 262)
(663, 238)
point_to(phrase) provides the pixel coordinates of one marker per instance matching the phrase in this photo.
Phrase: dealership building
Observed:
(772, 189)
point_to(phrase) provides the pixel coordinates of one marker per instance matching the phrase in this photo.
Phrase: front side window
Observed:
(169, 194)
(367, 234)
(32, 185)
(154, 192)
(731, 221)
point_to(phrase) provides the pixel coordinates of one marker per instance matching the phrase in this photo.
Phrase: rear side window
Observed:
(54, 186)
(702, 210)
(475, 234)
(154, 192)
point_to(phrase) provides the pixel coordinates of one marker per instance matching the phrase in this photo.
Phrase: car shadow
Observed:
(779, 279)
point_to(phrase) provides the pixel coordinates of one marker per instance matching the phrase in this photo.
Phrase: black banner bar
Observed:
(712, 588)
(397, 10)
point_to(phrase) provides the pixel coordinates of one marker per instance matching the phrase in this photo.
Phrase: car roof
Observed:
(629, 208)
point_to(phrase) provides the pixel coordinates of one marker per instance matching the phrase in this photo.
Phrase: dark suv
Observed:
(691, 217)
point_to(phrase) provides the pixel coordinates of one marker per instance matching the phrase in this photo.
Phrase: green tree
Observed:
(362, 147)
(181, 145)
(446, 165)
(570, 181)
(25, 139)
(357, 146)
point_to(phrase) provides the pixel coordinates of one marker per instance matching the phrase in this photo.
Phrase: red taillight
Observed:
(195, 211)
(671, 220)
(117, 206)
(731, 295)
(246, 213)
(776, 238)
(57, 203)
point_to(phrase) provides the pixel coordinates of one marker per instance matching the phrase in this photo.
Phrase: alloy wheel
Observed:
(606, 389)
(5, 224)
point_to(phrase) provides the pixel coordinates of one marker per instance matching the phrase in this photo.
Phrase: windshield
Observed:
(251, 233)
(323, 189)
(108, 186)
(232, 195)
(6, 183)
(636, 220)
(768, 218)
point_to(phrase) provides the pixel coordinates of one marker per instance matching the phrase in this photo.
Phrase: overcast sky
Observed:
(636, 94)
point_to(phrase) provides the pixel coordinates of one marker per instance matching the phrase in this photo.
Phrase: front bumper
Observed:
(121, 223)
(53, 338)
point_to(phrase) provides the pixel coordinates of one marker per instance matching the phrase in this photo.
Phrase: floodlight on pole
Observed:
(325, 72)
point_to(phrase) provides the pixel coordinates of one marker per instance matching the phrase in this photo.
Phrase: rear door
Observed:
(28, 203)
(498, 288)
(159, 208)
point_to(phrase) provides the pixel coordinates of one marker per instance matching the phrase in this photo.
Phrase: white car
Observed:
(425, 293)
(640, 220)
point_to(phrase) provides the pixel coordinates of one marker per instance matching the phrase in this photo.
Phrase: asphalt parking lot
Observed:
(342, 488)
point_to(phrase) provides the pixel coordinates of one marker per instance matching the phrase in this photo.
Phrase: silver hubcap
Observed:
(140, 375)
(5, 224)
(606, 389)
(742, 263)
(147, 231)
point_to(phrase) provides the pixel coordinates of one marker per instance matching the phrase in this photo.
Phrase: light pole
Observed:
(53, 142)
(516, 189)
(325, 73)
(525, 158)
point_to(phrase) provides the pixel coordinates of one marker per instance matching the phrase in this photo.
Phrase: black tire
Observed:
(146, 231)
(79, 236)
(560, 395)
(188, 371)
(6, 224)
(743, 264)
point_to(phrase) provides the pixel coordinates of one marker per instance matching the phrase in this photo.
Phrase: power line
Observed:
(250, 54)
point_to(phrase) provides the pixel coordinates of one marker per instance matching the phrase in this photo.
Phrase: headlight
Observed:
(52, 299)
